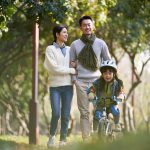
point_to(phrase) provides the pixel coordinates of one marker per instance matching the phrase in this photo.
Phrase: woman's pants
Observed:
(60, 99)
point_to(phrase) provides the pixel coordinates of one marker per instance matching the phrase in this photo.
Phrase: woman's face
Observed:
(108, 75)
(62, 36)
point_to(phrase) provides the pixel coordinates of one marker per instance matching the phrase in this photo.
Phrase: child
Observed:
(108, 85)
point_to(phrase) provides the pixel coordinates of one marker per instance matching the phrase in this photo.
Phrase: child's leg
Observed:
(96, 118)
(116, 113)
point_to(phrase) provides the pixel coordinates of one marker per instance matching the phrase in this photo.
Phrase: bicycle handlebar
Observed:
(114, 99)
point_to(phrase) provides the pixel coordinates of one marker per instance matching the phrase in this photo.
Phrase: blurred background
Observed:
(123, 24)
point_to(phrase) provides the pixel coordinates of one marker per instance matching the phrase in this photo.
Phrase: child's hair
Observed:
(104, 69)
(102, 83)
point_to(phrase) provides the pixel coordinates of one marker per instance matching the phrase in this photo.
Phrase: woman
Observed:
(60, 85)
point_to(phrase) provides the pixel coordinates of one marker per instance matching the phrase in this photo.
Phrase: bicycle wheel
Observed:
(110, 133)
(102, 128)
(109, 128)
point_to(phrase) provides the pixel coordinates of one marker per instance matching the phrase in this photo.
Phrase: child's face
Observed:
(108, 75)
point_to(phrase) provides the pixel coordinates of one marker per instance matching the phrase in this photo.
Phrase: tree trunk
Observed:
(8, 127)
(132, 102)
(128, 117)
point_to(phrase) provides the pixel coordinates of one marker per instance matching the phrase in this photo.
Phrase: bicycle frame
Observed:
(105, 124)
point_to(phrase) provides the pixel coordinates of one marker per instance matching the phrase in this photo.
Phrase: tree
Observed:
(129, 21)
(128, 30)
(18, 17)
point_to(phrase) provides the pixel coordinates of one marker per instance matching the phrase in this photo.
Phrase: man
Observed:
(86, 53)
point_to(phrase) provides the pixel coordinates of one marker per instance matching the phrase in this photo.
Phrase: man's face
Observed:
(87, 27)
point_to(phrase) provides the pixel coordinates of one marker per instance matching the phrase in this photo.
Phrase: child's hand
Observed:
(121, 96)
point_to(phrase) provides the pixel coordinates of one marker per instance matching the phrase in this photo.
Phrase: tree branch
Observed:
(143, 65)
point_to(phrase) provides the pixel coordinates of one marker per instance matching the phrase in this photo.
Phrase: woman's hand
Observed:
(91, 96)
(73, 64)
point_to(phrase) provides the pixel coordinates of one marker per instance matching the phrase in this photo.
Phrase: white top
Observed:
(58, 66)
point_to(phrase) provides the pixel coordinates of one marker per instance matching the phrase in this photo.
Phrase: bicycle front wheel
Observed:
(102, 128)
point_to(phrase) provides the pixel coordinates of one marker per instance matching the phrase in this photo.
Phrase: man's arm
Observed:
(105, 55)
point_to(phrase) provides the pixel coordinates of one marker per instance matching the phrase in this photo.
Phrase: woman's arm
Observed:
(73, 59)
(91, 93)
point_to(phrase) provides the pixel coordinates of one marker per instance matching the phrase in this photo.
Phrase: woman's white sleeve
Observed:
(51, 65)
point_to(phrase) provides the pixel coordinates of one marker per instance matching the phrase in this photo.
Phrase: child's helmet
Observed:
(108, 64)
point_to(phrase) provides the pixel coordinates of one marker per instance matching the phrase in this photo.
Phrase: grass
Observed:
(139, 141)
(9, 142)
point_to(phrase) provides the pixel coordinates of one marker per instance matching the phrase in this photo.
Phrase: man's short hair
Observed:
(84, 18)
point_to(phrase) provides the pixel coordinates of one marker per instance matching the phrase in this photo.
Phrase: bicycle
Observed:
(106, 124)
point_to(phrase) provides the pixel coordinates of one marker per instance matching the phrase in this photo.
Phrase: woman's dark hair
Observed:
(84, 18)
(57, 29)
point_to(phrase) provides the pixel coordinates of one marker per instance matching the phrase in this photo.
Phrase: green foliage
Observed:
(15, 58)
(123, 24)
(97, 9)
(56, 9)
(131, 19)
(31, 10)
(5, 14)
